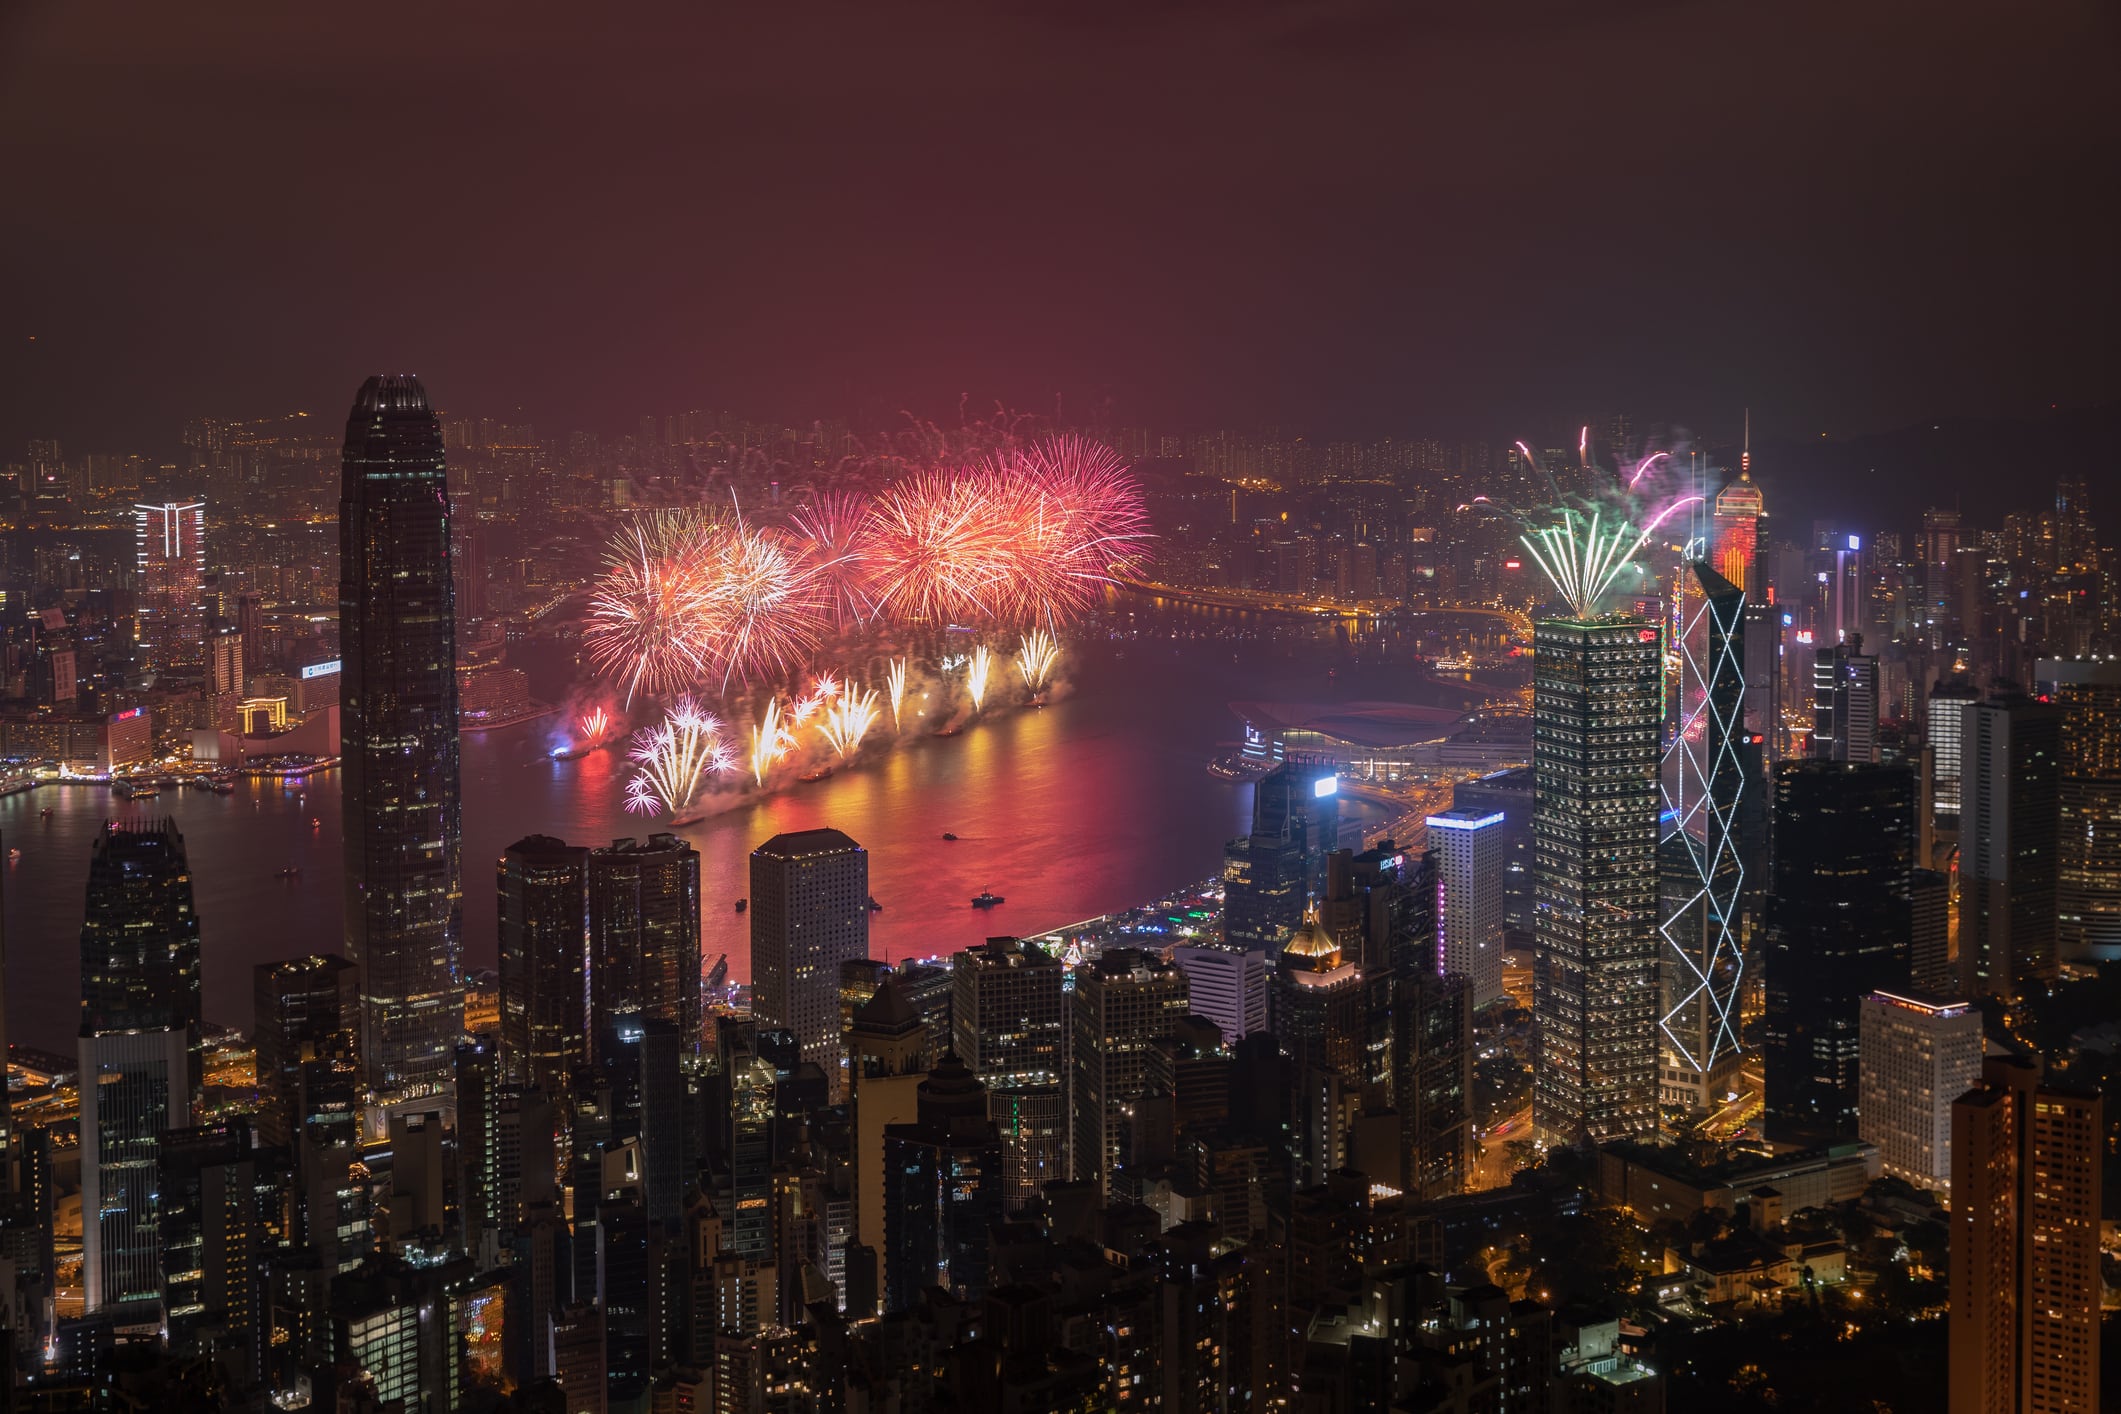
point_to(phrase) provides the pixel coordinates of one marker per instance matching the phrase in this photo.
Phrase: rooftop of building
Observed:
(805, 844)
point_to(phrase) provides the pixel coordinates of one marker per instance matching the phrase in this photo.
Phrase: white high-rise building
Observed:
(1919, 1054)
(1229, 987)
(1471, 852)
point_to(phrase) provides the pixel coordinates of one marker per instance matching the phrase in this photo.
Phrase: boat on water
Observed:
(135, 790)
(948, 836)
(874, 906)
(812, 777)
(223, 787)
(740, 905)
(987, 899)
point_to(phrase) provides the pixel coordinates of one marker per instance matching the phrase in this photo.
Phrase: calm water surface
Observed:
(1097, 802)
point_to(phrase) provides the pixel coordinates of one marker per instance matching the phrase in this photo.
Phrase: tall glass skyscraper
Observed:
(1701, 873)
(169, 542)
(1597, 706)
(397, 633)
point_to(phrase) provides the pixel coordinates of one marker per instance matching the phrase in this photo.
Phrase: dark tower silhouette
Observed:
(397, 615)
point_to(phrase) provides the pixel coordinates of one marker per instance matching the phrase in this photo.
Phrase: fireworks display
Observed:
(896, 678)
(770, 741)
(1008, 536)
(673, 757)
(1025, 538)
(1586, 552)
(847, 720)
(1036, 658)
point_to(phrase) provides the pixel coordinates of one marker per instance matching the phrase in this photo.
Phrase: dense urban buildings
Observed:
(2009, 855)
(1597, 704)
(401, 828)
(1918, 1056)
(2088, 833)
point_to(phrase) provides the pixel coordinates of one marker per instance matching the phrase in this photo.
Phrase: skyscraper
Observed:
(1471, 852)
(398, 713)
(1844, 703)
(644, 925)
(2008, 850)
(133, 1087)
(1271, 874)
(1919, 1054)
(809, 914)
(1123, 1001)
(1229, 987)
(1950, 705)
(298, 1005)
(140, 940)
(1508, 794)
(2023, 1330)
(544, 953)
(1597, 702)
(1837, 930)
(2088, 904)
(1701, 873)
(1739, 510)
(169, 543)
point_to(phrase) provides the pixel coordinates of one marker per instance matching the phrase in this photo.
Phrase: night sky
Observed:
(1349, 218)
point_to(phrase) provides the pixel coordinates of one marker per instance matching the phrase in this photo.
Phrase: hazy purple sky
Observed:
(1357, 217)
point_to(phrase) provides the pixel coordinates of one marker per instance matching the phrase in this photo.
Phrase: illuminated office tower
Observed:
(1950, 704)
(1763, 678)
(2023, 1327)
(1299, 802)
(1735, 551)
(1844, 703)
(169, 544)
(1318, 1019)
(1509, 794)
(644, 938)
(1597, 703)
(2088, 903)
(1837, 930)
(1009, 1020)
(943, 1190)
(2008, 849)
(1701, 874)
(140, 940)
(227, 669)
(1919, 1054)
(1471, 854)
(809, 914)
(1123, 1001)
(399, 764)
(543, 908)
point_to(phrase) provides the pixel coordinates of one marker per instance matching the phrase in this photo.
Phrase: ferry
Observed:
(135, 790)
(948, 836)
(987, 900)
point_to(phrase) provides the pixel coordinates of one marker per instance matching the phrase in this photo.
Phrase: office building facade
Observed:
(1228, 986)
(809, 914)
(1919, 1055)
(2088, 895)
(543, 908)
(2009, 850)
(1598, 702)
(1122, 1003)
(1471, 849)
(398, 725)
(644, 946)
(169, 551)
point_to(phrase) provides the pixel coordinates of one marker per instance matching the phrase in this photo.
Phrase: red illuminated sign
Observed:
(1648, 635)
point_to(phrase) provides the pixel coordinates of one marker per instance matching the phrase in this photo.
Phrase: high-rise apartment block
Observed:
(1472, 853)
(402, 836)
(543, 907)
(644, 946)
(809, 914)
(1919, 1054)
(1009, 1020)
(1597, 704)
(2023, 1330)
(2088, 902)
